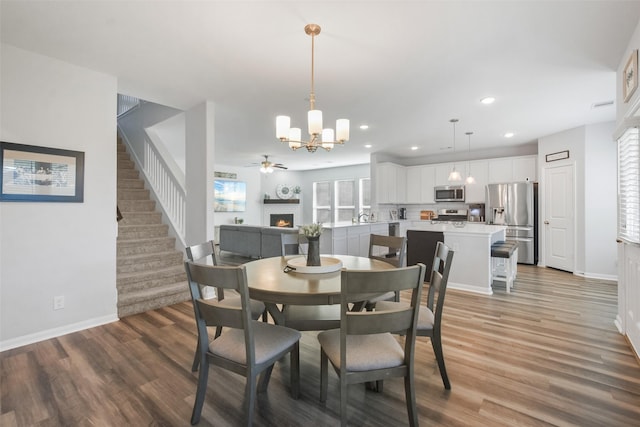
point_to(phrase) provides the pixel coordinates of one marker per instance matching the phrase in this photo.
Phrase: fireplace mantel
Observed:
(281, 201)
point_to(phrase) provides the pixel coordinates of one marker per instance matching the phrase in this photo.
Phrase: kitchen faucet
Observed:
(366, 216)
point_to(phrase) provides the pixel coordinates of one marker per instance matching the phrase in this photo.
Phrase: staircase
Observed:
(150, 271)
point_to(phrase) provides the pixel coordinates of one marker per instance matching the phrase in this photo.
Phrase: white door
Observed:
(559, 217)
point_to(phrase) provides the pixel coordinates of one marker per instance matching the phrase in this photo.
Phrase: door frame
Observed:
(542, 206)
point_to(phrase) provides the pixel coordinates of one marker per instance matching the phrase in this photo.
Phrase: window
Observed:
(365, 196)
(628, 186)
(345, 201)
(322, 202)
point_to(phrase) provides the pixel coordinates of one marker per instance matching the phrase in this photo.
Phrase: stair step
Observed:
(130, 183)
(150, 261)
(133, 194)
(127, 174)
(141, 218)
(144, 300)
(125, 163)
(144, 246)
(128, 232)
(136, 206)
(127, 282)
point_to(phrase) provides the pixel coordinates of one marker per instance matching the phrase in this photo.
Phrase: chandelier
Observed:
(454, 176)
(318, 137)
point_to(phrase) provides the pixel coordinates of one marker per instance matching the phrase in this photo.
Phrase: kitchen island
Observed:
(471, 266)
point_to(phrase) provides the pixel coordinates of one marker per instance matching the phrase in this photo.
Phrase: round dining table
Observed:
(269, 282)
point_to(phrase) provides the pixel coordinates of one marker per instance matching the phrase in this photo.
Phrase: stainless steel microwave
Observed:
(449, 193)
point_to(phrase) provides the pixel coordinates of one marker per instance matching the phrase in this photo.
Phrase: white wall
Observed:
(592, 153)
(58, 249)
(600, 200)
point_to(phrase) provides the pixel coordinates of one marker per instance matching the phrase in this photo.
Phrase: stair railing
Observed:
(166, 182)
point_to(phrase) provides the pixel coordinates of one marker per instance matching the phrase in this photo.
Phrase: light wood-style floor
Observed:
(546, 354)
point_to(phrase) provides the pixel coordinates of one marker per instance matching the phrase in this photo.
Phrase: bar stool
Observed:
(504, 262)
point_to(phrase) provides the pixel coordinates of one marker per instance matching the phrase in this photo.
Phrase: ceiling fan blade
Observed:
(279, 166)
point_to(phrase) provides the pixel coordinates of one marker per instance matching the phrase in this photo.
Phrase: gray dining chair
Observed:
(290, 243)
(390, 249)
(246, 347)
(367, 337)
(430, 315)
(206, 253)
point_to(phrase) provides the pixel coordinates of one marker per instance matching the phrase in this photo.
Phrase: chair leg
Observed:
(410, 397)
(436, 343)
(324, 375)
(263, 383)
(200, 393)
(343, 402)
(294, 375)
(250, 398)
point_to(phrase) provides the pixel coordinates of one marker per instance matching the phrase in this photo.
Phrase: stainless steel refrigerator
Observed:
(515, 205)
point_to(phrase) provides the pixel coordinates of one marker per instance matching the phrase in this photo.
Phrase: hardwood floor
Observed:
(546, 354)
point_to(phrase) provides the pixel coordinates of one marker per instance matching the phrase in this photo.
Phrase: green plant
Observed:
(297, 189)
(312, 230)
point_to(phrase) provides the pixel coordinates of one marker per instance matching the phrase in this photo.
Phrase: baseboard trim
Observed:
(56, 332)
(587, 275)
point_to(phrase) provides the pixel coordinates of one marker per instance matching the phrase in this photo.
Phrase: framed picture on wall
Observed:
(40, 174)
(229, 196)
(630, 76)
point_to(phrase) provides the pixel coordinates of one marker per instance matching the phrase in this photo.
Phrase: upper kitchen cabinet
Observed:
(420, 183)
(391, 183)
(479, 170)
(525, 168)
(512, 169)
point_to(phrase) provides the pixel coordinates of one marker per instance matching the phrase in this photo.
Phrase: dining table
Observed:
(270, 281)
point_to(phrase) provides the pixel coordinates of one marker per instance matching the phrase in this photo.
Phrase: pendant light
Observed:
(470, 179)
(454, 176)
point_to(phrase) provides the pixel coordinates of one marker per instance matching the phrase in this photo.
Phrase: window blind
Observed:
(629, 185)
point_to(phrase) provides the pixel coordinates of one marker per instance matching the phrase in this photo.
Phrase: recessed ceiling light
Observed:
(367, 146)
(488, 100)
(364, 127)
(509, 134)
(414, 148)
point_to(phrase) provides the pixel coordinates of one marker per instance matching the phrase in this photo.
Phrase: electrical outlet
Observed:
(58, 302)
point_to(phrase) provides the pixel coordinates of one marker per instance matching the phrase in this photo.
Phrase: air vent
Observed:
(602, 104)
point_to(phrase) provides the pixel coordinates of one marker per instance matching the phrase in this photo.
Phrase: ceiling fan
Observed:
(267, 167)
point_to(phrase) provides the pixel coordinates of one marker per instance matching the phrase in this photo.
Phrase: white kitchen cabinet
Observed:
(414, 184)
(512, 169)
(479, 170)
(334, 241)
(525, 168)
(358, 240)
(500, 170)
(391, 183)
(428, 180)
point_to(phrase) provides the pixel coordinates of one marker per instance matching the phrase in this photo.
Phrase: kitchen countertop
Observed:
(468, 228)
(359, 224)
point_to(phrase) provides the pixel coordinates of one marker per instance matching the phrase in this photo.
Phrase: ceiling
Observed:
(405, 68)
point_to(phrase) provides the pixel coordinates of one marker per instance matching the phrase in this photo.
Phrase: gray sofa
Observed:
(252, 241)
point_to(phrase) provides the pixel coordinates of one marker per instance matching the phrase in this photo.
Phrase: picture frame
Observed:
(229, 196)
(393, 213)
(630, 76)
(560, 155)
(33, 173)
